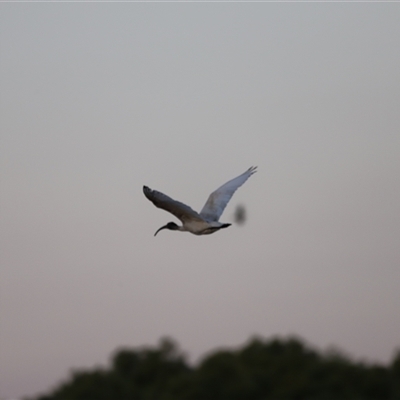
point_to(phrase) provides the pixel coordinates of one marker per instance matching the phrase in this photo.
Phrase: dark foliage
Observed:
(261, 370)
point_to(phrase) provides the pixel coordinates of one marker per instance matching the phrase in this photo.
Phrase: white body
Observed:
(201, 227)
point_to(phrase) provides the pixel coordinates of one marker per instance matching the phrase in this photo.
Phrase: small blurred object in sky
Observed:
(240, 215)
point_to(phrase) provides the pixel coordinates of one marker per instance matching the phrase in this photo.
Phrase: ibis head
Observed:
(172, 226)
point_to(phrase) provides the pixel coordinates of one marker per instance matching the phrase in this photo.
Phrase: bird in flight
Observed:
(206, 221)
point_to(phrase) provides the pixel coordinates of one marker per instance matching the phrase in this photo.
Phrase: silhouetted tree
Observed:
(395, 376)
(276, 369)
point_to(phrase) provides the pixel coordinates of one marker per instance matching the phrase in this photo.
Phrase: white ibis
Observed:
(206, 221)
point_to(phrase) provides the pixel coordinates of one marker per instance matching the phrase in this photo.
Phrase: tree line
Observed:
(275, 369)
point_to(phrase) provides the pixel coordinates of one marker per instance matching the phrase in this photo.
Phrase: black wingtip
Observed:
(147, 191)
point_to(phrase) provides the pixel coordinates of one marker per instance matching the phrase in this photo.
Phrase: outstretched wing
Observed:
(218, 199)
(180, 210)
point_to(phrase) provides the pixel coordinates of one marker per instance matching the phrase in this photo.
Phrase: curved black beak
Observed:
(163, 227)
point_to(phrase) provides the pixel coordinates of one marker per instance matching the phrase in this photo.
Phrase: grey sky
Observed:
(98, 99)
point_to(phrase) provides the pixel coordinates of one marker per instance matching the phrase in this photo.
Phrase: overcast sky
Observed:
(98, 99)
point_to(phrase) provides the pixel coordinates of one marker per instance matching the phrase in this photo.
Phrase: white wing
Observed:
(218, 199)
(180, 210)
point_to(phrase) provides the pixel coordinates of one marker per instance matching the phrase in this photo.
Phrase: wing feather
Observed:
(180, 210)
(217, 201)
